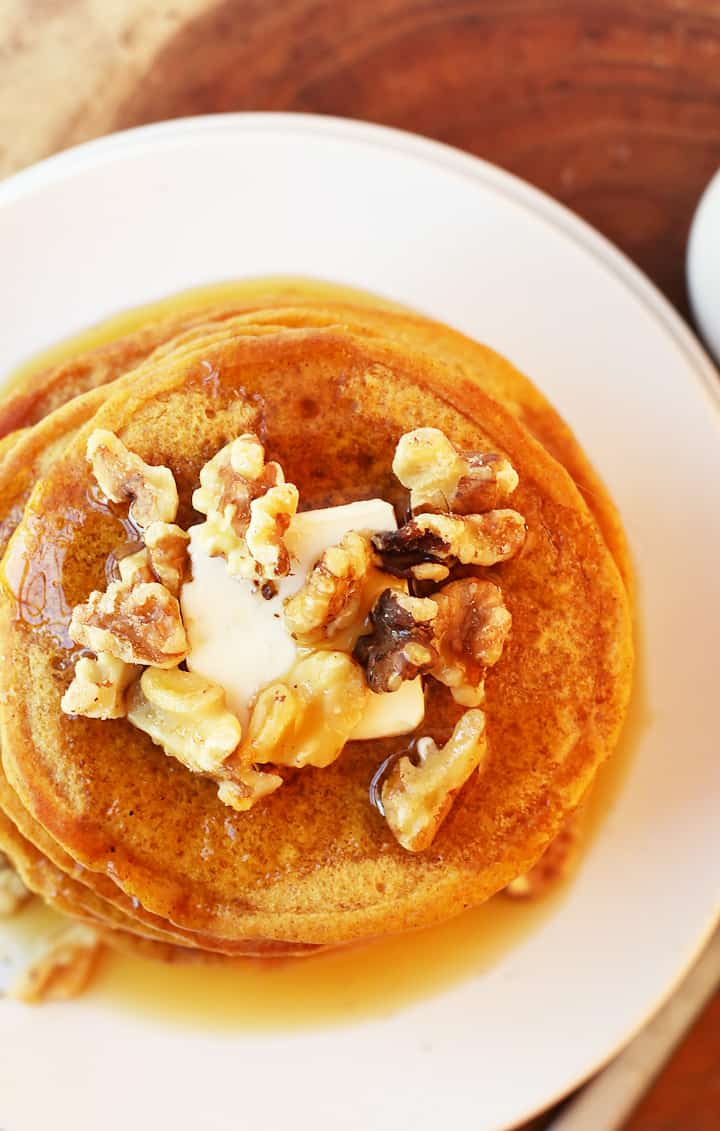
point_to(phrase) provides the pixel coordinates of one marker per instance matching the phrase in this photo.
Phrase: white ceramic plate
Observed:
(133, 217)
(703, 264)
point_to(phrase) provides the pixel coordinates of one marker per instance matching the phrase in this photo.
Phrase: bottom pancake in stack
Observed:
(185, 851)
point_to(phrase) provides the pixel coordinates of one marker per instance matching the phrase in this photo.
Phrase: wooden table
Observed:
(612, 107)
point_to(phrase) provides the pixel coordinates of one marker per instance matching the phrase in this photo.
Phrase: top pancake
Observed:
(315, 863)
(306, 303)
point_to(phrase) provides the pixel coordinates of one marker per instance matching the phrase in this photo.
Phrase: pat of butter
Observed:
(239, 640)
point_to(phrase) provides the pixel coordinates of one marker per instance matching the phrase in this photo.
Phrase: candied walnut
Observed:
(416, 799)
(331, 595)
(185, 714)
(63, 970)
(167, 546)
(246, 787)
(99, 686)
(13, 893)
(139, 623)
(400, 644)
(123, 477)
(441, 478)
(306, 719)
(469, 634)
(476, 539)
(240, 527)
(555, 865)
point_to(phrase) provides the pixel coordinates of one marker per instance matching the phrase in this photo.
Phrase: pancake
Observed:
(306, 304)
(314, 863)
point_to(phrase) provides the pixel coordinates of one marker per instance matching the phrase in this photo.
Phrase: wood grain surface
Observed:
(613, 108)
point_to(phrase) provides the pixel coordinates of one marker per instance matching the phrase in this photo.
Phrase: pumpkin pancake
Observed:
(100, 878)
(172, 324)
(306, 303)
(313, 863)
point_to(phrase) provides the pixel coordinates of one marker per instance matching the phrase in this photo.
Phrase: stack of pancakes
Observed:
(102, 824)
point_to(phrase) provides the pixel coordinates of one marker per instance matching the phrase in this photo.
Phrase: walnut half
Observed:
(124, 477)
(400, 644)
(185, 714)
(447, 540)
(442, 478)
(306, 719)
(249, 507)
(470, 630)
(416, 799)
(330, 597)
(136, 623)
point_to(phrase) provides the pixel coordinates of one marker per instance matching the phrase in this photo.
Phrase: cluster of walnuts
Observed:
(454, 632)
(135, 625)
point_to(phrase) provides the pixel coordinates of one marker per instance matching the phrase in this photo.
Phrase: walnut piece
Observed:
(441, 478)
(13, 893)
(63, 970)
(185, 714)
(246, 787)
(447, 540)
(99, 686)
(162, 558)
(243, 524)
(167, 546)
(400, 644)
(306, 719)
(135, 569)
(270, 516)
(416, 799)
(555, 865)
(137, 623)
(123, 476)
(331, 595)
(469, 634)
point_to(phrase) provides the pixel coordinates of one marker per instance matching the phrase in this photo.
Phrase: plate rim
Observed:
(86, 154)
(89, 154)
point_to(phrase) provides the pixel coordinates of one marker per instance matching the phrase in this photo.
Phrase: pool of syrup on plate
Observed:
(364, 981)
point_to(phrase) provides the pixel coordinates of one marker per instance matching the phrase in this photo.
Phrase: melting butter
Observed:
(238, 638)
